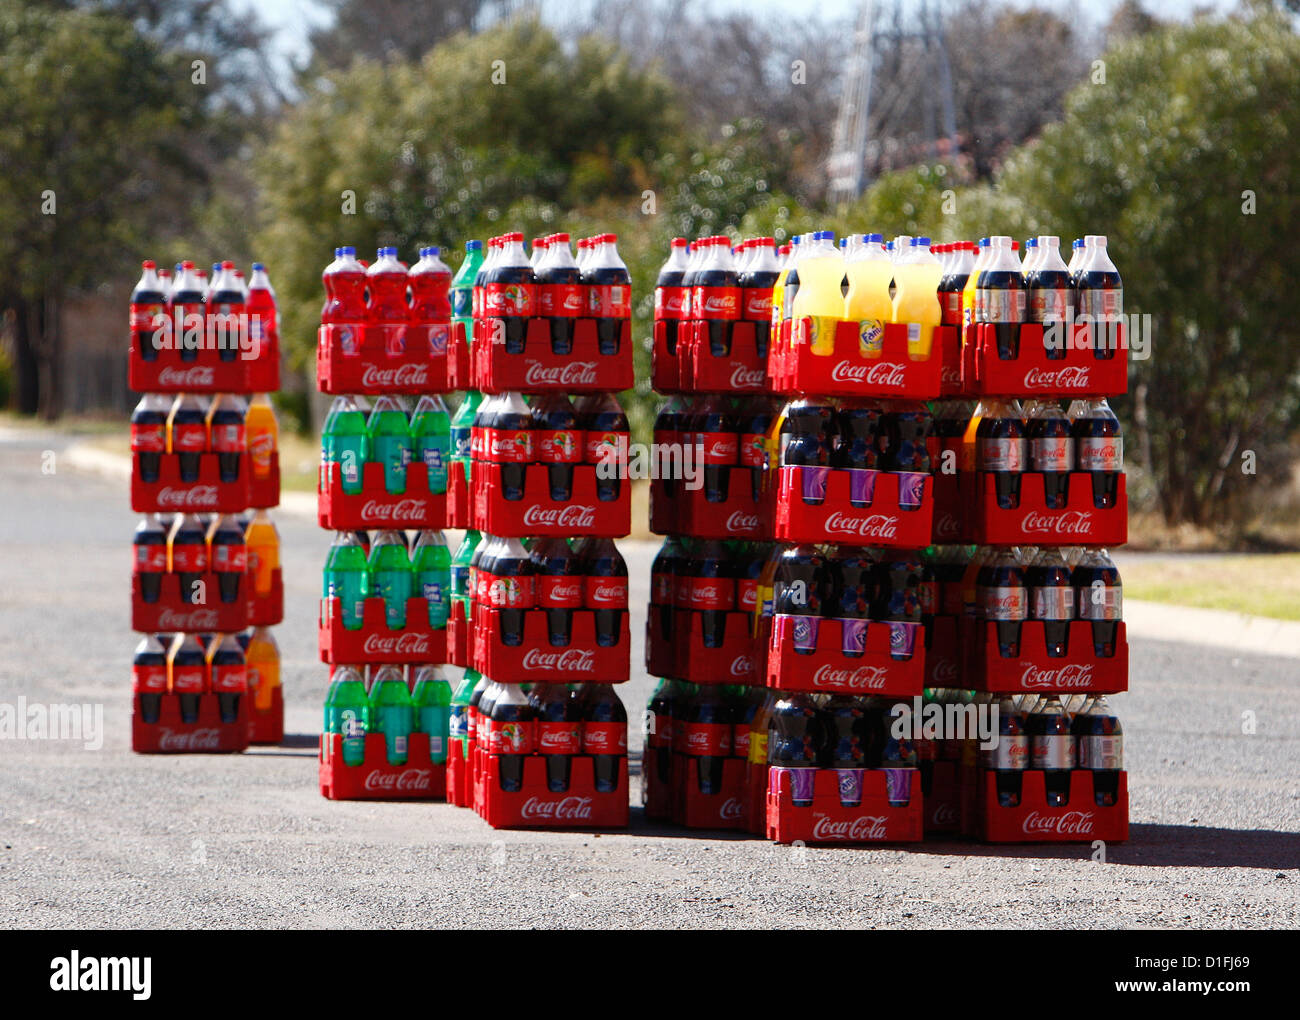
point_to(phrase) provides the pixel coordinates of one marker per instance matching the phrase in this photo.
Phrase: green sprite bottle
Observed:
(460, 571)
(346, 578)
(462, 288)
(460, 433)
(347, 712)
(391, 712)
(431, 440)
(389, 437)
(390, 575)
(344, 442)
(431, 563)
(458, 723)
(431, 700)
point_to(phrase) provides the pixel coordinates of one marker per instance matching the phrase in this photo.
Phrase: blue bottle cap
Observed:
(920, 242)
(875, 238)
(258, 267)
(432, 251)
(349, 249)
(473, 245)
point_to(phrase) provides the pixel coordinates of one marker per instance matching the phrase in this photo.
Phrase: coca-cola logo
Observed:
(743, 378)
(402, 375)
(742, 665)
(567, 808)
(870, 373)
(1068, 823)
(188, 378)
(562, 740)
(863, 678)
(195, 740)
(580, 660)
(614, 594)
(1070, 522)
(572, 302)
(1073, 675)
(945, 526)
(197, 496)
(862, 828)
(195, 619)
(871, 526)
(1058, 380)
(950, 375)
(406, 781)
(563, 593)
(377, 511)
(944, 814)
(943, 671)
(719, 303)
(572, 516)
(742, 521)
(572, 373)
(382, 644)
(721, 451)
(731, 809)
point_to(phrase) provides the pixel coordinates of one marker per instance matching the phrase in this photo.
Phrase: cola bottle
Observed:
(845, 746)
(149, 678)
(150, 546)
(755, 422)
(710, 574)
(1051, 449)
(605, 439)
(1002, 449)
(604, 733)
(474, 711)
(1098, 448)
(512, 589)
(794, 740)
(1099, 748)
(226, 436)
(852, 577)
(708, 736)
(149, 434)
(1001, 299)
(717, 432)
(670, 432)
(225, 305)
(899, 586)
(490, 694)
(559, 730)
(188, 314)
(715, 295)
(559, 586)
(605, 589)
(187, 434)
(509, 293)
(560, 293)
(799, 591)
(1051, 748)
(1051, 599)
(148, 305)
(513, 734)
(228, 556)
(659, 741)
(806, 439)
(1099, 295)
(749, 558)
(187, 674)
(1099, 598)
(557, 441)
(508, 441)
(187, 553)
(1004, 600)
(1049, 296)
(1009, 757)
(229, 676)
(609, 292)
(669, 293)
(756, 282)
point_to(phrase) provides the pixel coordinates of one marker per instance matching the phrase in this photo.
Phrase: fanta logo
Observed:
(870, 373)
(406, 781)
(742, 522)
(403, 375)
(1074, 675)
(406, 510)
(380, 644)
(573, 516)
(572, 373)
(1070, 823)
(196, 740)
(194, 620)
(1070, 522)
(567, 808)
(863, 678)
(189, 378)
(743, 378)
(873, 526)
(580, 660)
(865, 827)
(1062, 379)
(197, 497)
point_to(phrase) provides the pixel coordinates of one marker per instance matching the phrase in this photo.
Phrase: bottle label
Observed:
(596, 443)
(558, 737)
(229, 559)
(188, 559)
(740, 741)
(559, 591)
(188, 679)
(150, 559)
(461, 442)
(756, 304)
(715, 303)
(512, 592)
(605, 592)
(747, 594)
(1101, 305)
(661, 588)
(1053, 603)
(711, 740)
(950, 305)
(510, 737)
(604, 738)
(1005, 455)
(1053, 751)
(758, 747)
(751, 449)
(1102, 603)
(228, 439)
(517, 300)
(1001, 305)
(1004, 604)
(1048, 304)
(189, 438)
(1101, 752)
(609, 301)
(671, 302)
(1011, 752)
(719, 447)
(560, 300)
(230, 679)
(149, 679)
(458, 722)
(462, 302)
(1100, 453)
(716, 594)
(508, 446)
(148, 438)
(1052, 454)
(144, 318)
(561, 446)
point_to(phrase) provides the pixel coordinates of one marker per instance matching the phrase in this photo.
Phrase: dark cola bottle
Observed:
(187, 670)
(1051, 599)
(756, 281)
(806, 439)
(794, 741)
(800, 592)
(1098, 448)
(557, 441)
(1001, 298)
(558, 720)
(711, 592)
(853, 578)
(513, 736)
(708, 736)
(605, 439)
(1049, 297)
(755, 422)
(1002, 449)
(859, 427)
(561, 296)
(604, 733)
(1099, 598)
(715, 295)
(149, 435)
(559, 581)
(669, 563)
(226, 434)
(1009, 757)
(512, 590)
(148, 308)
(749, 558)
(508, 441)
(1003, 599)
(187, 434)
(229, 676)
(187, 553)
(189, 319)
(150, 546)
(1099, 748)
(1051, 449)
(1051, 748)
(605, 590)
(149, 678)
(225, 308)
(510, 294)
(228, 556)
(670, 303)
(670, 437)
(609, 292)
(659, 741)
(1099, 295)
(717, 434)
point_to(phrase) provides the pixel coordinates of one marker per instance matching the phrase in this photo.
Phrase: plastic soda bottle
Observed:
(458, 712)
(459, 432)
(347, 579)
(345, 442)
(431, 439)
(867, 302)
(916, 297)
(263, 314)
(390, 575)
(431, 704)
(263, 660)
(390, 442)
(819, 298)
(431, 564)
(429, 281)
(462, 288)
(262, 434)
(347, 712)
(391, 712)
(386, 284)
(263, 544)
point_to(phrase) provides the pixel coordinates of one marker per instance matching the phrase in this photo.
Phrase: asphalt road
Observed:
(107, 838)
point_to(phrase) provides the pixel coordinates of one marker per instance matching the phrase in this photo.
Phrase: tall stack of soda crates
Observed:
(540, 593)
(205, 586)
(868, 603)
(382, 352)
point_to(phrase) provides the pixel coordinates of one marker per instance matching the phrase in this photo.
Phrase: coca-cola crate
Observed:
(947, 340)
(744, 514)
(207, 373)
(206, 494)
(264, 493)
(206, 735)
(656, 787)
(458, 495)
(170, 615)
(883, 522)
(537, 369)
(458, 374)
(741, 370)
(724, 809)
(375, 507)
(1078, 373)
(756, 798)
(1080, 522)
(460, 779)
(675, 647)
(421, 367)
(950, 523)
(536, 660)
(665, 364)
(375, 778)
(943, 799)
(536, 807)
(265, 610)
(846, 372)
(458, 635)
(373, 641)
(826, 669)
(1080, 820)
(536, 514)
(267, 727)
(827, 820)
(943, 654)
(1080, 671)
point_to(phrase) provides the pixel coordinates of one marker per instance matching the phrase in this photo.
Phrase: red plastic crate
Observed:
(374, 778)
(267, 727)
(206, 494)
(665, 365)
(835, 519)
(373, 642)
(458, 635)
(943, 801)
(206, 374)
(1082, 820)
(828, 670)
(371, 370)
(460, 781)
(950, 523)
(375, 507)
(170, 615)
(1033, 523)
(722, 810)
(845, 372)
(943, 656)
(947, 339)
(536, 369)
(826, 820)
(740, 371)
(264, 493)
(1080, 671)
(656, 790)
(1078, 374)
(207, 735)
(266, 610)
(537, 514)
(458, 501)
(687, 512)
(535, 660)
(536, 807)
(756, 798)
(682, 655)
(458, 375)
